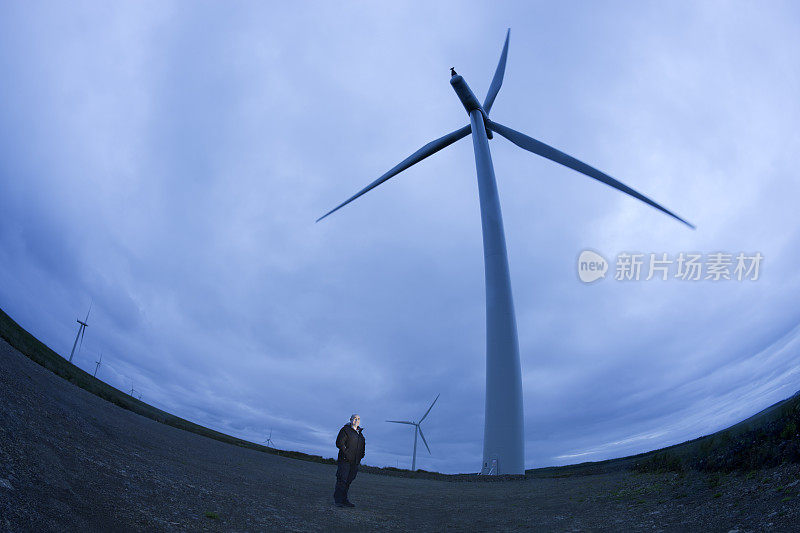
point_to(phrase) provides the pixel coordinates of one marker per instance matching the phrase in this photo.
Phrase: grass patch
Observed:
(715, 480)
(789, 430)
(212, 515)
(660, 463)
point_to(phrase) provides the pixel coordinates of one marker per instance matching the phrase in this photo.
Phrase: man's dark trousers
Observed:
(345, 474)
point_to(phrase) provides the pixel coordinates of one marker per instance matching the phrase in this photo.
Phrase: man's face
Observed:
(356, 421)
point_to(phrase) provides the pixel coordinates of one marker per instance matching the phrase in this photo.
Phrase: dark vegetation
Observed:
(770, 440)
(766, 439)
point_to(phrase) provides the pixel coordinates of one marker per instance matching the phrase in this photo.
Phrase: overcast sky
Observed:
(167, 161)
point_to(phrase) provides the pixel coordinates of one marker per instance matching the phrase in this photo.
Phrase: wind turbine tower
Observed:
(269, 442)
(503, 430)
(81, 332)
(417, 430)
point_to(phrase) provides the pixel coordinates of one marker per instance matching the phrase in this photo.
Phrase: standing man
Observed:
(351, 446)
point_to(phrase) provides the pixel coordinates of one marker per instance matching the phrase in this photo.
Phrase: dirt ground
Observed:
(72, 461)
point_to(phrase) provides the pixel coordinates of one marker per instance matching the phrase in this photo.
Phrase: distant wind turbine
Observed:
(134, 391)
(417, 429)
(503, 433)
(81, 332)
(98, 365)
(269, 442)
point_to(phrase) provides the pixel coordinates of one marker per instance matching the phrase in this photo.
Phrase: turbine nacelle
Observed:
(465, 94)
(467, 97)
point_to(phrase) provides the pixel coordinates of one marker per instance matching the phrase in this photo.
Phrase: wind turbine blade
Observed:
(540, 148)
(429, 409)
(424, 441)
(401, 422)
(497, 81)
(89, 311)
(429, 149)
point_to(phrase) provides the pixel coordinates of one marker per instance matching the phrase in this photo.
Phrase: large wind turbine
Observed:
(417, 429)
(503, 440)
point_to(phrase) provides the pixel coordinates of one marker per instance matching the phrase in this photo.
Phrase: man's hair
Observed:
(353, 416)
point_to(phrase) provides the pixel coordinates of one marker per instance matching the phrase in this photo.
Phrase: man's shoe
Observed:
(349, 504)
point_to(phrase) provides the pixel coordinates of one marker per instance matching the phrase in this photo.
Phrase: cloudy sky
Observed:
(167, 161)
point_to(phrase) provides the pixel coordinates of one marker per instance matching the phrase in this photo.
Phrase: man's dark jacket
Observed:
(351, 444)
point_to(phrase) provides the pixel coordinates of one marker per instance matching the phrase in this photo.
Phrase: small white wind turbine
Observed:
(269, 442)
(135, 393)
(81, 333)
(97, 365)
(417, 429)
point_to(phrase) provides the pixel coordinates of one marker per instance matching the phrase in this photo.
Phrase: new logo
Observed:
(591, 266)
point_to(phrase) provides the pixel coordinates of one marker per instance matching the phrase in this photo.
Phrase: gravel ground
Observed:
(72, 461)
